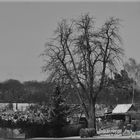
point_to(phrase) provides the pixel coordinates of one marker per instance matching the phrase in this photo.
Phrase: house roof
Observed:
(122, 108)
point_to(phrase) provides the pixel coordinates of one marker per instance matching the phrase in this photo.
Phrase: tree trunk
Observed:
(91, 122)
(92, 118)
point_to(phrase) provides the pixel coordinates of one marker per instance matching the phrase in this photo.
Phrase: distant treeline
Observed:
(117, 90)
(30, 91)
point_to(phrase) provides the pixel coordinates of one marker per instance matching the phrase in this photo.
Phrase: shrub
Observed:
(87, 132)
(72, 129)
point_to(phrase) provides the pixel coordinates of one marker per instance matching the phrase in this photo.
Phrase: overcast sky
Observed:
(26, 26)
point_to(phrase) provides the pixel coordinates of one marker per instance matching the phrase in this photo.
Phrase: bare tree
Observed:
(133, 69)
(82, 56)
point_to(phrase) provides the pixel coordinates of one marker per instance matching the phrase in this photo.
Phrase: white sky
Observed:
(26, 26)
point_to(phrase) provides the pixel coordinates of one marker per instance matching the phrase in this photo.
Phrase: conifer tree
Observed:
(59, 112)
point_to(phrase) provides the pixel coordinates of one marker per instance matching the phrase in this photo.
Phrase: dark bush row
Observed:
(44, 131)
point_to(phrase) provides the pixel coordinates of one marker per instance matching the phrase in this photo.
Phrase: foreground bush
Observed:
(72, 129)
(87, 132)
